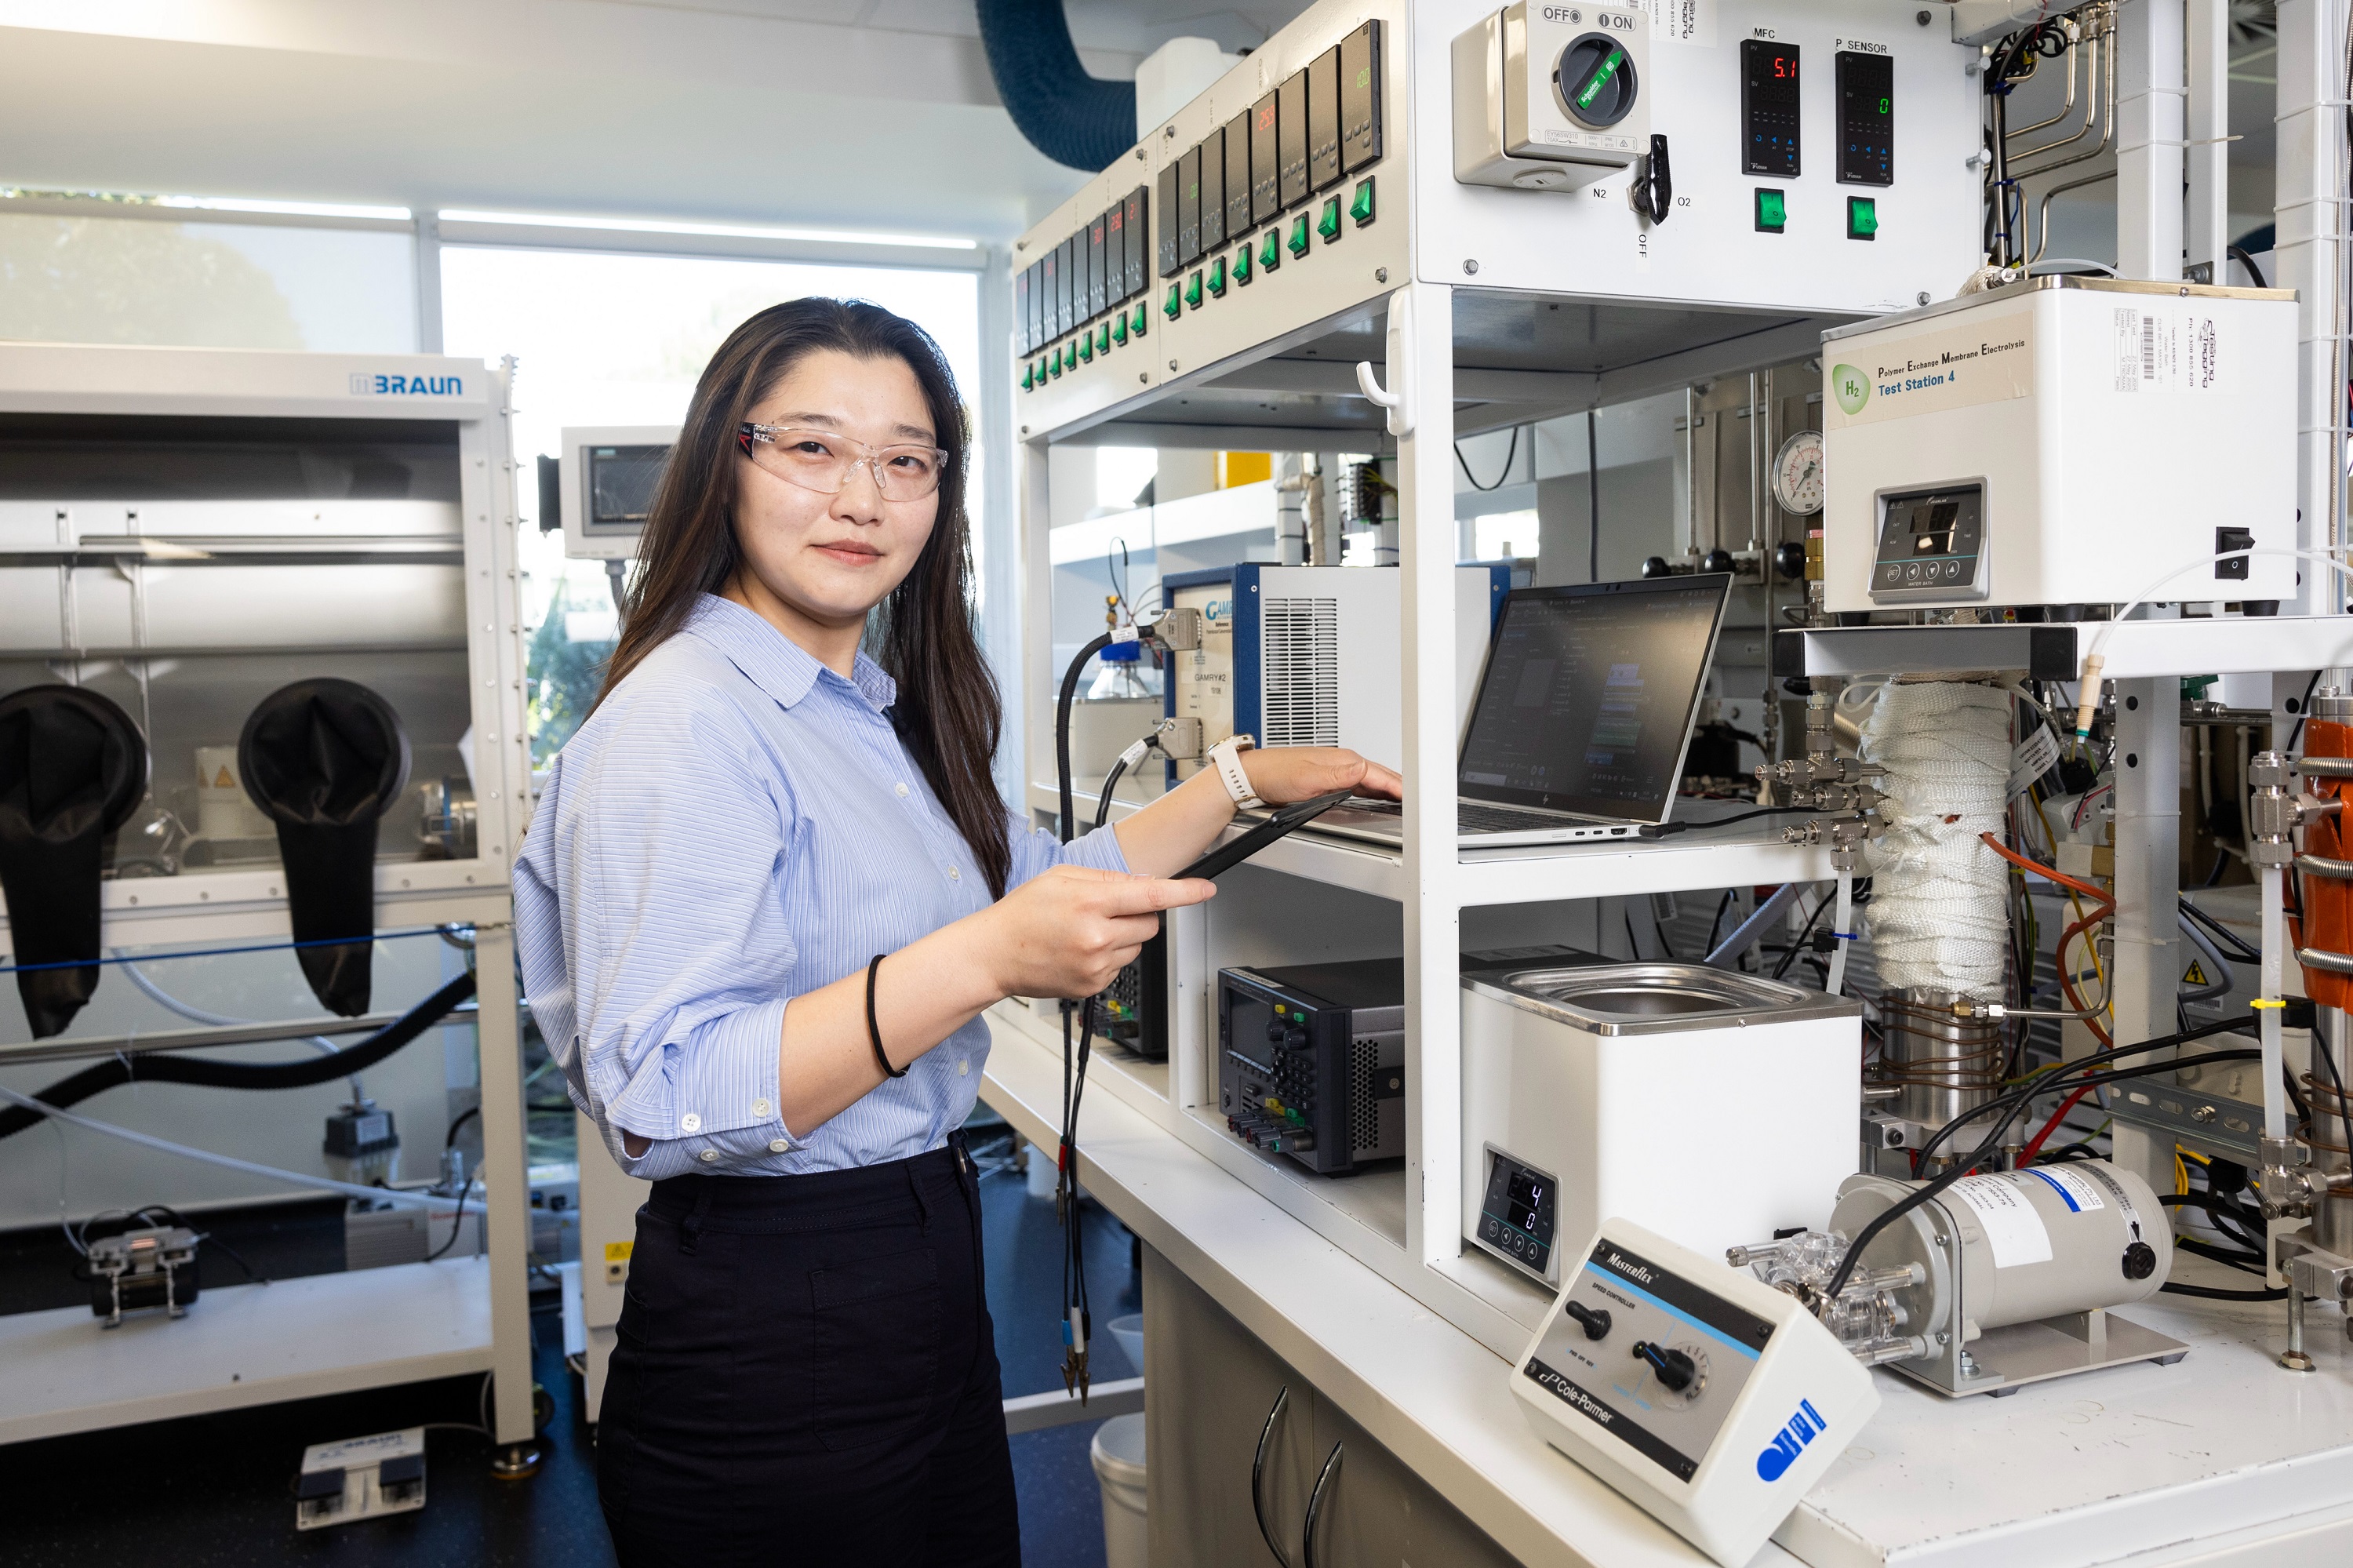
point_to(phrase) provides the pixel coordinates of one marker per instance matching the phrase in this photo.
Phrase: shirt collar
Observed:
(774, 662)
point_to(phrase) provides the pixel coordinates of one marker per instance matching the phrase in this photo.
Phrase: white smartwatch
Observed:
(1226, 757)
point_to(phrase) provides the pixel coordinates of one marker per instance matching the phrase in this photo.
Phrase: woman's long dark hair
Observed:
(948, 707)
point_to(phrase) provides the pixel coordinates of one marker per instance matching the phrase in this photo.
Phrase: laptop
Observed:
(1584, 712)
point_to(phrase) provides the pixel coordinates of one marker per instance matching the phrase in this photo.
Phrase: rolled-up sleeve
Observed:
(685, 958)
(1034, 850)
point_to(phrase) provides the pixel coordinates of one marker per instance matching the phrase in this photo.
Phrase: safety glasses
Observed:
(822, 460)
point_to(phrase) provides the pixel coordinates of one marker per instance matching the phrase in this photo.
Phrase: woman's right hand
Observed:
(1070, 930)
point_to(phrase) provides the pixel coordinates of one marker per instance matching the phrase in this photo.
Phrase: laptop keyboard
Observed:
(1479, 819)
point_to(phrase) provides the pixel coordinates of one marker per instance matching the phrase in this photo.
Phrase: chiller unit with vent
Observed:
(1312, 655)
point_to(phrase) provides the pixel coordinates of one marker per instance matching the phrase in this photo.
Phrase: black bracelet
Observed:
(873, 1029)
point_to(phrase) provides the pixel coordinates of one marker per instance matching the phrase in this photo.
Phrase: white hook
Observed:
(1393, 401)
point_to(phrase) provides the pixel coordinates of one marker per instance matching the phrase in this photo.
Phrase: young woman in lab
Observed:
(767, 892)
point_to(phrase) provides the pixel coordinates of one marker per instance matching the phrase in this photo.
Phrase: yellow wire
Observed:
(2090, 942)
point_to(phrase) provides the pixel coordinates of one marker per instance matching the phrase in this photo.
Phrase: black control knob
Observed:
(1673, 1369)
(1655, 567)
(1274, 1030)
(1790, 561)
(1717, 561)
(1295, 1039)
(1594, 1319)
(2140, 1260)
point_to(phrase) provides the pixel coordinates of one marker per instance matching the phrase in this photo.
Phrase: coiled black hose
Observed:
(159, 1067)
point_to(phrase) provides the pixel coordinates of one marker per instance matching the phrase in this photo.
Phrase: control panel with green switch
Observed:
(1270, 250)
(1193, 290)
(1772, 210)
(1217, 278)
(1328, 225)
(1242, 264)
(1298, 240)
(1861, 217)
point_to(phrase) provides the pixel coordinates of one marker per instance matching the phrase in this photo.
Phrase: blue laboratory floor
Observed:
(214, 1490)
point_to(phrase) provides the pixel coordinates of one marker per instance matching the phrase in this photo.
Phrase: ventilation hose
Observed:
(1075, 118)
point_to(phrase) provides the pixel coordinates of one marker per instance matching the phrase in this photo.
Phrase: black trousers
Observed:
(806, 1372)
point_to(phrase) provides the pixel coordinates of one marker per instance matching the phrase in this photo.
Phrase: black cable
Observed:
(456, 1221)
(1063, 729)
(1592, 497)
(2216, 1208)
(1717, 924)
(1668, 830)
(2009, 1106)
(2327, 1049)
(2233, 946)
(159, 1067)
(2244, 1262)
(1800, 945)
(1510, 457)
(2210, 1293)
(2302, 708)
(1110, 782)
(2238, 254)
(468, 1114)
(1074, 1068)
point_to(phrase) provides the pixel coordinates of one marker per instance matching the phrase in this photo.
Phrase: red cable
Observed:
(2059, 954)
(2034, 1146)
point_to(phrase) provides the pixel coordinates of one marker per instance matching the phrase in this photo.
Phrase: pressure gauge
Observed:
(1798, 473)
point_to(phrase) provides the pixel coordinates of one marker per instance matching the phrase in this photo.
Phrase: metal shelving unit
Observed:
(1473, 308)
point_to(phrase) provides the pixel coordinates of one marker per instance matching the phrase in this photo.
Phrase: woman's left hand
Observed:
(1281, 774)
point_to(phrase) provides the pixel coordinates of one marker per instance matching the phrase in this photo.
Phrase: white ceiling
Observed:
(863, 113)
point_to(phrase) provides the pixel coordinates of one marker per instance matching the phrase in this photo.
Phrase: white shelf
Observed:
(1612, 868)
(1363, 1215)
(242, 1345)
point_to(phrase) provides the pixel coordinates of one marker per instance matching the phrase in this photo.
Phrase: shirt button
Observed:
(778, 1146)
(691, 1122)
(903, 790)
(964, 1066)
(955, 875)
(708, 1155)
(759, 1107)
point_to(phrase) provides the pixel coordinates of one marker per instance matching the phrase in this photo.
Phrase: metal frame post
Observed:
(2151, 92)
(2309, 257)
(998, 523)
(506, 1183)
(1422, 371)
(2206, 229)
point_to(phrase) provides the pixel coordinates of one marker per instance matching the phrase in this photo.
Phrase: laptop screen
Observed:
(1589, 694)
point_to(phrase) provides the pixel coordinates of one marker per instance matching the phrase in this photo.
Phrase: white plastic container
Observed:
(1118, 1455)
(224, 810)
(1702, 1104)
(1127, 1333)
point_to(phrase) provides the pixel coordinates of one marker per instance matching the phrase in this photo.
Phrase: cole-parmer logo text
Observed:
(1789, 1442)
(378, 384)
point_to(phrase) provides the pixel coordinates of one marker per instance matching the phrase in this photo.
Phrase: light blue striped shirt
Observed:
(736, 825)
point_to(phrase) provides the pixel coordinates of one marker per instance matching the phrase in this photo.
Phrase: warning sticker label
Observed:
(2013, 1230)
